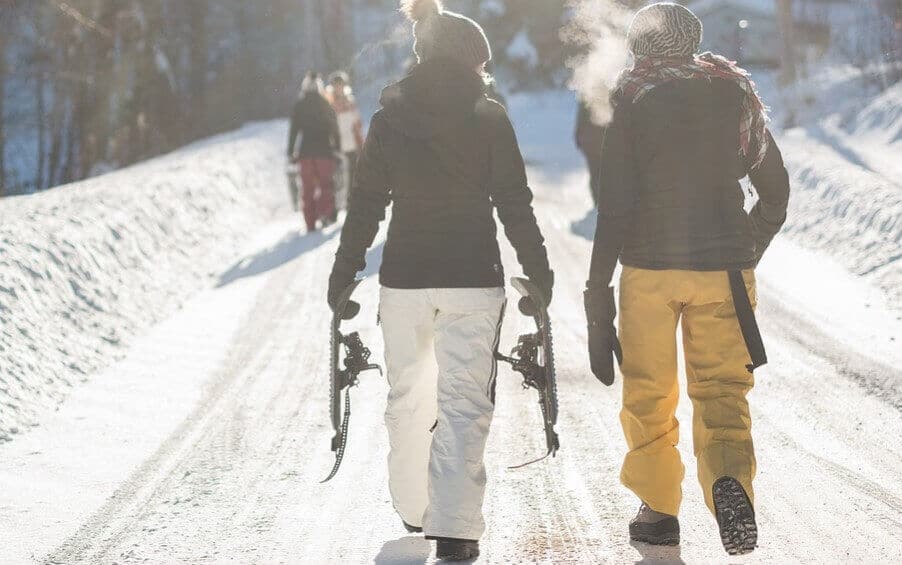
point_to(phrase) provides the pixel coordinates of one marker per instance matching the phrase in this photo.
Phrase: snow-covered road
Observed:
(208, 441)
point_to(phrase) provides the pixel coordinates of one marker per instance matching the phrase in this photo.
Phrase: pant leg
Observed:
(325, 172)
(716, 359)
(649, 312)
(407, 326)
(309, 179)
(467, 329)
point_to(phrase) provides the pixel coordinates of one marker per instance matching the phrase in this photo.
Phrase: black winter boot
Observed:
(412, 529)
(451, 549)
(654, 527)
(735, 517)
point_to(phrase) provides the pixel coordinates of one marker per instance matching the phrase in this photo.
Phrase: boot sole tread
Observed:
(735, 517)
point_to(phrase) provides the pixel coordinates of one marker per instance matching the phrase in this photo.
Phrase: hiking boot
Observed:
(735, 517)
(412, 529)
(655, 528)
(451, 549)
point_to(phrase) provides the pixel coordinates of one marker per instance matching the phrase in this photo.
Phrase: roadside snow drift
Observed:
(85, 267)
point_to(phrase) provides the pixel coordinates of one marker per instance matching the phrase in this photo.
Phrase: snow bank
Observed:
(85, 267)
(846, 211)
(844, 166)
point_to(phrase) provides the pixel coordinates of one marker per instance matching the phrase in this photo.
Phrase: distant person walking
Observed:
(685, 129)
(589, 137)
(314, 120)
(350, 129)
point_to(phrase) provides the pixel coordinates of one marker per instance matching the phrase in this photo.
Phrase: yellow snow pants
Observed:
(652, 303)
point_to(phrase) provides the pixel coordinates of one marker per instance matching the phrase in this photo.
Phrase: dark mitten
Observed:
(339, 280)
(545, 284)
(603, 342)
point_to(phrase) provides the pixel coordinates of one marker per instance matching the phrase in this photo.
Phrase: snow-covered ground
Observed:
(206, 442)
(86, 267)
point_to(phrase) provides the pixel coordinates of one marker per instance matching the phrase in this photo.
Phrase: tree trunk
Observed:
(788, 57)
(197, 10)
(41, 120)
(3, 29)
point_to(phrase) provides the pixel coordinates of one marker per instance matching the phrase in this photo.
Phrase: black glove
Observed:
(603, 342)
(545, 284)
(339, 280)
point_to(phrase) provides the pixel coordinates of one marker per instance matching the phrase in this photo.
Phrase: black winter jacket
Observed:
(669, 194)
(314, 119)
(446, 158)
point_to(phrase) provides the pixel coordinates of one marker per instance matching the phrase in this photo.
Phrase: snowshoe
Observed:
(654, 528)
(451, 549)
(735, 517)
(533, 357)
(356, 361)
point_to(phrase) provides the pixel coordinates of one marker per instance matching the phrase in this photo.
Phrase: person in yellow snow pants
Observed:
(652, 304)
(685, 128)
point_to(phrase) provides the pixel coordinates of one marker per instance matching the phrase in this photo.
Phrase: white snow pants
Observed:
(439, 346)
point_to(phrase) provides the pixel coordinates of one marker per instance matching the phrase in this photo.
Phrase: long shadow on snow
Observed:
(409, 550)
(290, 247)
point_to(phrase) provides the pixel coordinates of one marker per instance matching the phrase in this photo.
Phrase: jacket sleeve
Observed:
(295, 128)
(369, 197)
(512, 197)
(616, 189)
(771, 181)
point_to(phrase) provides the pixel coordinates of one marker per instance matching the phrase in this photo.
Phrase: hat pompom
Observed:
(419, 10)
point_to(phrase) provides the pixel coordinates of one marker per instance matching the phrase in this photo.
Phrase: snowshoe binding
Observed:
(735, 517)
(533, 357)
(356, 361)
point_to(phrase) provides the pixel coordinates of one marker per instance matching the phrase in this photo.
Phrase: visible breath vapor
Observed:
(597, 30)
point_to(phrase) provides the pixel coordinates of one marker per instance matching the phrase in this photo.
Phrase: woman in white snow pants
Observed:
(446, 159)
(439, 346)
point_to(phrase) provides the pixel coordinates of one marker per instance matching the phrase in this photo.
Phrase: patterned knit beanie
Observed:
(664, 30)
(443, 34)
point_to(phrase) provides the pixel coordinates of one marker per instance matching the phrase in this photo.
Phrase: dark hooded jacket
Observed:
(314, 120)
(446, 158)
(669, 189)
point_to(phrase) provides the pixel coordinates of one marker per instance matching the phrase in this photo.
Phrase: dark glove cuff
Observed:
(600, 304)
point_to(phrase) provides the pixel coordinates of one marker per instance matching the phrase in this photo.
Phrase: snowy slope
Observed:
(86, 267)
(846, 171)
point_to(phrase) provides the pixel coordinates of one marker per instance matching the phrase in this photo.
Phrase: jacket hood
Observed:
(434, 97)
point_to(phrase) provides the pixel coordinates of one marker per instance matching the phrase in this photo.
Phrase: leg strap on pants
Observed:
(747, 322)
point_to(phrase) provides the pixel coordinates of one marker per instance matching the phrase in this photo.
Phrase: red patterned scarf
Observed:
(650, 72)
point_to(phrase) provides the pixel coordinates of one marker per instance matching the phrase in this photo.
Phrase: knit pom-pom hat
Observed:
(443, 34)
(664, 30)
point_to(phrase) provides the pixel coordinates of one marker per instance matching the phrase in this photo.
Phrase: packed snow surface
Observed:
(84, 268)
(207, 441)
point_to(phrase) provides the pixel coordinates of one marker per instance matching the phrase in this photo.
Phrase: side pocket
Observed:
(494, 378)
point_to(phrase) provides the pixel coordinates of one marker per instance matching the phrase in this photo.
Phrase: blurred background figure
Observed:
(589, 139)
(350, 130)
(314, 120)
